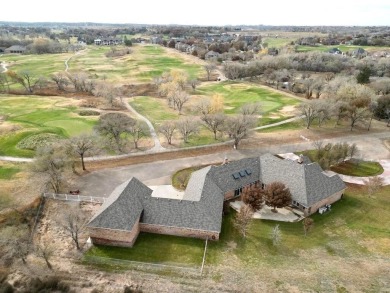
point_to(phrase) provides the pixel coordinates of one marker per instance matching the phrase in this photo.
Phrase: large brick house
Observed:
(132, 207)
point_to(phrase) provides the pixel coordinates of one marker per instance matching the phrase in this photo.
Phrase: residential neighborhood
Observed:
(202, 147)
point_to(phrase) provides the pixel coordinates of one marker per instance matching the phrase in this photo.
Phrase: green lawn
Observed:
(350, 167)
(37, 65)
(7, 173)
(355, 214)
(278, 42)
(358, 168)
(156, 248)
(237, 94)
(33, 115)
(156, 110)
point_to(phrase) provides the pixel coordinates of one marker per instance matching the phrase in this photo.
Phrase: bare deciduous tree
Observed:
(60, 80)
(194, 83)
(251, 109)
(26, 79)
(167, 128)
(214, 122)
(210, 67)
(73, 221)
(137, 131)
(45, 251)
(242, 219)
(309, 112)
(276, 235)
(238, 127)
(83, 145)
(308, 224)
(81, 82)
(373, 184)
(179, 99)
(51, 161)
(114, 126)
(187, 127)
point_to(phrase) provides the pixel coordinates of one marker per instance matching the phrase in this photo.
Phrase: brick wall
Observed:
(329, 200)
(183, 232)
(114, 237)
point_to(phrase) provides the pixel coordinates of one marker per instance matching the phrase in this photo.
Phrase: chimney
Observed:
(225, 160)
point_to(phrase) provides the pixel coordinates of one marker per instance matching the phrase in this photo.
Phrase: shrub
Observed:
(33, 142)
(90, 103)
(89, 113)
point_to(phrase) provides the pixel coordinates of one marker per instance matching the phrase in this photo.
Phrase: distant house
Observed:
(211, 55)
(16, 49)
(156, 40)
(133, 207)
(359, 53)
(336, 51)
(273, 51)
(107, 42)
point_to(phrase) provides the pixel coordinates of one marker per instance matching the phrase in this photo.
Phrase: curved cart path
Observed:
(157, 145)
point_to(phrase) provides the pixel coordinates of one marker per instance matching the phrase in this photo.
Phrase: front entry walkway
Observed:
(283, 214)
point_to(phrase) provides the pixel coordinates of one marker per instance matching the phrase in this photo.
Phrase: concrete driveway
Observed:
(103, 182)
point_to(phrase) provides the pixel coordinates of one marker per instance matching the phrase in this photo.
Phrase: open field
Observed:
(38, 65)
(141, 65)
(31, 115)
(342, 48)
(274, 42)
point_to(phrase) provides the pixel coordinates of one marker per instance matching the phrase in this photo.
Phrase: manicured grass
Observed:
(351, 167)
(356, 226)
(278, 42)
(7, 173)
(358, 168)
(237, 94)
(155, 248)
(287, 126)
(184, 174)
(37, 65)
(142, 64)
(34, 115)
(156, 110)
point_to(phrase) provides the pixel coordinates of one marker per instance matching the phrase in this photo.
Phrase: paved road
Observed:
(101, 183)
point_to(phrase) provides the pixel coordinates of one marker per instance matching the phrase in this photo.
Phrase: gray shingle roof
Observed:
(223, 174)
(205, 214)
(123, 207)
(201, 207)
(308, 184)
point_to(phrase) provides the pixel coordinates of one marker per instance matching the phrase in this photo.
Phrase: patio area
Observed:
(283, 214)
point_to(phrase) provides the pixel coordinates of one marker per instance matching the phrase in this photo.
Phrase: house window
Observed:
(238, 191)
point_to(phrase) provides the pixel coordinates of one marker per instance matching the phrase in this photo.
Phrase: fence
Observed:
(74, 197)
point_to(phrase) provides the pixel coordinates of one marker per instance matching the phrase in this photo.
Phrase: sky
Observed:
(202, 12)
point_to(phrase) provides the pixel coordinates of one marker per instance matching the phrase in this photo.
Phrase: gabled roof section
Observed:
(123, 207)
(308, 183)
(204, 214)
(287, 171)
(195, 184)
(236, 174)
(319, 185)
